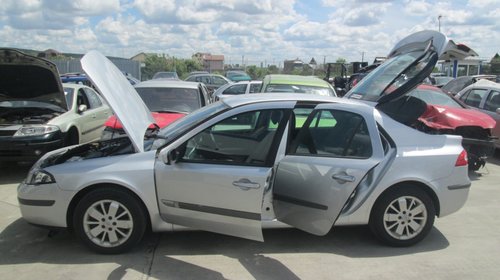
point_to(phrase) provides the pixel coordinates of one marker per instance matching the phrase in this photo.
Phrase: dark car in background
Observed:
(212, 81)
(166, 75)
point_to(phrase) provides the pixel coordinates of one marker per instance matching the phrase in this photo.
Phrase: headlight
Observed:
(34, 130)
(39, 177)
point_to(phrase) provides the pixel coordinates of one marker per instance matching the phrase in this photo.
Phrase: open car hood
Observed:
(27, 78)
(408, 64)
(120, 95)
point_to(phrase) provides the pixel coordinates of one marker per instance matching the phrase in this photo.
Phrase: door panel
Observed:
(306, 194)
(325, 161)
(218, 181)
(218, 198)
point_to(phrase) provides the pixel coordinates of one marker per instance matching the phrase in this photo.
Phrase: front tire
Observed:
(109, 221)
(402, 217)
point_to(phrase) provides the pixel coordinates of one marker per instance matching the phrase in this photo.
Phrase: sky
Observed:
(252, 31)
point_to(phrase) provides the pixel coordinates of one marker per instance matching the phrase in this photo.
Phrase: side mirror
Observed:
(82, 108)
(498, 111)
(170, 157)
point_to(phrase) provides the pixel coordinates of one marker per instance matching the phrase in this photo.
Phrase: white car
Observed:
(241, 164)
(243, 87)
(39, 114)
(484, 95)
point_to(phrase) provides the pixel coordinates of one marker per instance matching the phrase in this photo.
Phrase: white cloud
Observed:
(259, 30)
(418, 7)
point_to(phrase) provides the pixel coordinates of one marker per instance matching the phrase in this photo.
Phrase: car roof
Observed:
(204, 74)
(283, 97)
(167, 83)
(73, 85)
(281, 79)
(485, 83)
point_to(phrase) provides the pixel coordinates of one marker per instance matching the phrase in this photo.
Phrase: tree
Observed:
(495, 65)
(341, 60)
(252, 72)
(153, 64)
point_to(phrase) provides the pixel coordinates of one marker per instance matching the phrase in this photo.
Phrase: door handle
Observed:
(343, 177)
(246, 184)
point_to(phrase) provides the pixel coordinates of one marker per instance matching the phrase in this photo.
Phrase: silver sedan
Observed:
(242, 164)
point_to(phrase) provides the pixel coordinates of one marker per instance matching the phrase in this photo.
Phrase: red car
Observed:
(168, 100)
(445, 114)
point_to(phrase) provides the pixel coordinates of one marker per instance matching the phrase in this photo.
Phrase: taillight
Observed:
(462, 159)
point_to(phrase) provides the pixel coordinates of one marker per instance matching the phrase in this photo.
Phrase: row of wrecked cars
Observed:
(257, 161)
(39, 114)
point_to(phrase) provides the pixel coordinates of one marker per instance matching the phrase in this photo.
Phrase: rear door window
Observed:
(332, 133)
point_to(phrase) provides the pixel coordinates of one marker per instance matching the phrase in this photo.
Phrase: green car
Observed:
(297, 84)
(237, 76)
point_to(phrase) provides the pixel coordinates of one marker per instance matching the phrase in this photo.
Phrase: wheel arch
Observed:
(427, 189)
(81, 193)
(72, 128)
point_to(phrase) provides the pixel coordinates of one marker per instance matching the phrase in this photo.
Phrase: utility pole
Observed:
(439, 22)
(362, 57)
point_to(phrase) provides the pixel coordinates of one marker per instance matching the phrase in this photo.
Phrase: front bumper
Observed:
(45, 205)
(29, 148)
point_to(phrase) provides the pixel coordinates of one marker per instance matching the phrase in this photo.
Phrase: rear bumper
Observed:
(479, 148)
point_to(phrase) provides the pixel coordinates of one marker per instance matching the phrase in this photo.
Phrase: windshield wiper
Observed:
(171, 111)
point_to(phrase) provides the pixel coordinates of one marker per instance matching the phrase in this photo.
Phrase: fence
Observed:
(125, 65)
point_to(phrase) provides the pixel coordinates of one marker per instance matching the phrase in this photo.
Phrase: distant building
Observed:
(50, 53)
(141, 57)
(313, 63)
(460, 60)
(290, 65)
(210, 62)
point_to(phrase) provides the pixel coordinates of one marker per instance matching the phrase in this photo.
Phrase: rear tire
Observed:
(402, 217)
(109, 221)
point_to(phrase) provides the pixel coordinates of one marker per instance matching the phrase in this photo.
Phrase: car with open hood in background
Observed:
(243, 164)
(167, 99)
(381, 85)
(38, 113)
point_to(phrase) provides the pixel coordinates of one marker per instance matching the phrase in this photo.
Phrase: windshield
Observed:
(435, 97)
(182, 125)
(183, 100)
(68, 93)
(387, 77)
(300, 89)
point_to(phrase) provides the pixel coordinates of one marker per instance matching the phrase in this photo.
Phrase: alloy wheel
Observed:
(108, 223)
(405, 217)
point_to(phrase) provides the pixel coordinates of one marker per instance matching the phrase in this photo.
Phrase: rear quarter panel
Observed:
(421, 158)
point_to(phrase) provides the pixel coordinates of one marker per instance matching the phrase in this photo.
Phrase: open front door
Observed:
(221, 172)
(325, 162)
